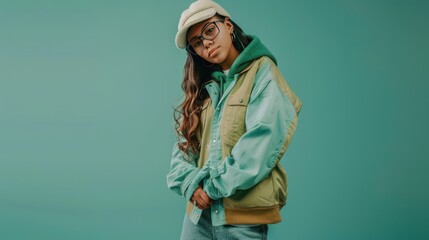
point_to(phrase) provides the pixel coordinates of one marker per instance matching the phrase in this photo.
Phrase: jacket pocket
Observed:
(233, 122)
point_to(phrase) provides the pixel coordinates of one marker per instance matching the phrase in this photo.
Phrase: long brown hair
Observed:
(197, 72)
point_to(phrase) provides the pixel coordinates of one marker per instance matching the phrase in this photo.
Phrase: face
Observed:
(218, 50)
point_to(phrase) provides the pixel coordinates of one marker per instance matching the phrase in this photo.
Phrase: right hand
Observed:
(202, 200)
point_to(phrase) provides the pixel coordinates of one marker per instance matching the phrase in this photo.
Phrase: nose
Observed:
(207, 43)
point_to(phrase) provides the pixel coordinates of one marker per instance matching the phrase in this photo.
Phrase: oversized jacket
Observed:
(243, 135)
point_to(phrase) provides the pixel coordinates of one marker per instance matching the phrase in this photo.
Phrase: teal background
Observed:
(86, 96)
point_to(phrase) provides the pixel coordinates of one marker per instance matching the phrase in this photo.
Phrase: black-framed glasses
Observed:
(209, 32)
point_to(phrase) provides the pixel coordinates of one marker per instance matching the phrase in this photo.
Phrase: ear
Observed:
(229, 25)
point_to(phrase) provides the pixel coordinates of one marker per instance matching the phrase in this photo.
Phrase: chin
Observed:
(218, 59)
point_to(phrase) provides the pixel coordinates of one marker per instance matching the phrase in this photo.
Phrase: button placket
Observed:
(215, 151)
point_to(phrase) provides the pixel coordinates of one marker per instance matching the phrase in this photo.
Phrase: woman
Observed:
(233, 127)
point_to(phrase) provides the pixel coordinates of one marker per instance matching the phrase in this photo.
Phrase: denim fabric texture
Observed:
(205, 231)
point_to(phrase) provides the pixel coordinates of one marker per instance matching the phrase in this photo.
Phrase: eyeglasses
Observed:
(209, 32)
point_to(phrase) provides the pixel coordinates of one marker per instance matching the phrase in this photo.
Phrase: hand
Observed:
(202, 200)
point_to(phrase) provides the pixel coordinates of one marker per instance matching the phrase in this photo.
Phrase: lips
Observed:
(212, 51)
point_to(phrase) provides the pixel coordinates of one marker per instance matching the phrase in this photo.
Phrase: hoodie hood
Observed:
(254, 50)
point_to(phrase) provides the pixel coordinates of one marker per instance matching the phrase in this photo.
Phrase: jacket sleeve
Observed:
(268, 117)
(184, 176)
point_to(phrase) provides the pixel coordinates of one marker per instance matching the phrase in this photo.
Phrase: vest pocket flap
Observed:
(237, 101)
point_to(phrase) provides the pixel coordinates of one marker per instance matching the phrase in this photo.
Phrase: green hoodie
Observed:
(253, 51)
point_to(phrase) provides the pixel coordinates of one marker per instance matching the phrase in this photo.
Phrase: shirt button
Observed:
(216, 211)
(214, 140)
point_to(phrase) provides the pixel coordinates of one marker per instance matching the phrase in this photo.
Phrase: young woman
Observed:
(234, 125)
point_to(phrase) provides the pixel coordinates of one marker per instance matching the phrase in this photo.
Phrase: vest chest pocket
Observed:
(233, 123)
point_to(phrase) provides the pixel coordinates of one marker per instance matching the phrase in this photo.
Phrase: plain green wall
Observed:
(86, 130)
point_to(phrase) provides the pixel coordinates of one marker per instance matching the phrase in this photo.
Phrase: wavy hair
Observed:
(197, 72)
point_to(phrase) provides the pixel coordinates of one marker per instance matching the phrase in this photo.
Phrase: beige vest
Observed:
(260, 204)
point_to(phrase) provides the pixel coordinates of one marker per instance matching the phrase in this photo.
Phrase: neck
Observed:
(232, 55)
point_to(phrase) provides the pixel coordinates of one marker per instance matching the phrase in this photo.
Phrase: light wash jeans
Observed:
(205, 231)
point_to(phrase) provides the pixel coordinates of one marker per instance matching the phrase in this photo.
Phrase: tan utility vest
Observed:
(260, 204)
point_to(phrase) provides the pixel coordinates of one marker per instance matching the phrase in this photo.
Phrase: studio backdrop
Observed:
(87, 91)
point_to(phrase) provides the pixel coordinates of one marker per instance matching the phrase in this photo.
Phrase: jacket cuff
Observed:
(188, 180)
(211, 190)
(194, 182)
